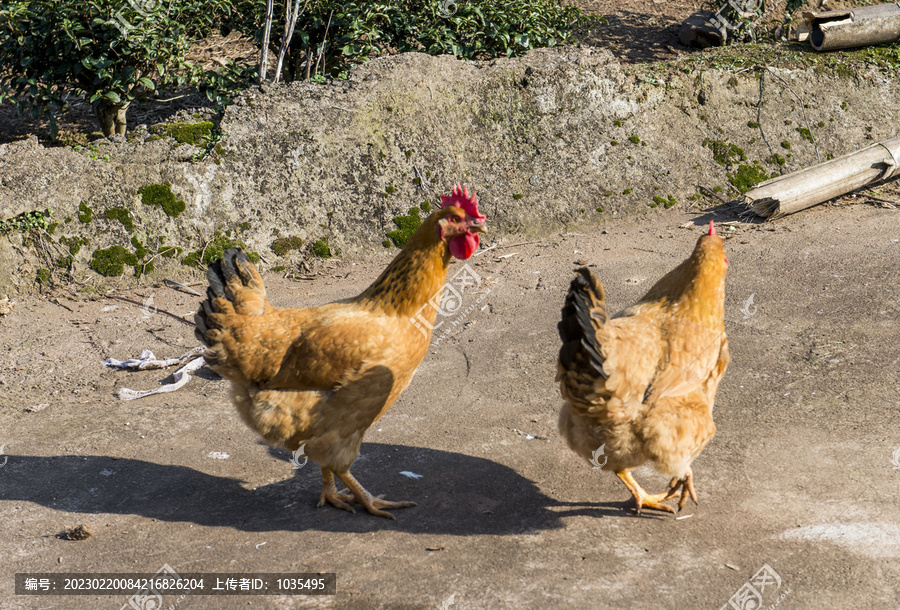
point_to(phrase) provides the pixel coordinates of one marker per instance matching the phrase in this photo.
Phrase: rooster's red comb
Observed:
(461, 198)
(712, 229)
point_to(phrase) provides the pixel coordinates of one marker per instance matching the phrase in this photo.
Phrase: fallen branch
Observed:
(814, 185)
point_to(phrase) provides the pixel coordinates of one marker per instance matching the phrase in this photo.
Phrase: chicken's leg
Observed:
(686, 484)
(371, 503)
(331, 495)
(641, 497)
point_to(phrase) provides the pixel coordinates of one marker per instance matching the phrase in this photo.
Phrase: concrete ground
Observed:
(798, 490)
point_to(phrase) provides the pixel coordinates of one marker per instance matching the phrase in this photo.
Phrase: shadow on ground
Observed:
(464, 496)
(635, 37)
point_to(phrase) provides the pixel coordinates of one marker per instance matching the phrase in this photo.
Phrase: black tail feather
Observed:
(583, 314)
(217, 275)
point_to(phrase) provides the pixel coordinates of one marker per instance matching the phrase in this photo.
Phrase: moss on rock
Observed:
(215, 249)
(284, 245)
(406, 226)
(110, 262)
(186, 133)
(85, 214)
(747, 176)
(162, 195)
(321, 249)
(123, 216)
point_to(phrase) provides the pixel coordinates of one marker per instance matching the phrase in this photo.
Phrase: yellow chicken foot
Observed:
(686, 485)
(641, 497)
(330, 494)
(371, 503)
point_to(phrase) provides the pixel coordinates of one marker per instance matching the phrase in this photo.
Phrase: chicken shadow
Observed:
(457, 495)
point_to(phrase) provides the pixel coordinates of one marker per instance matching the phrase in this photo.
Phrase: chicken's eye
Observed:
(456, 219)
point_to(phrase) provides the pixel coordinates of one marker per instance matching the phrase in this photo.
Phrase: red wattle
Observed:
(463, 246)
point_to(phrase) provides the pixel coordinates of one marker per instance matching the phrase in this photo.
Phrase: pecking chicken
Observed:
(319, 377)
(639, 386)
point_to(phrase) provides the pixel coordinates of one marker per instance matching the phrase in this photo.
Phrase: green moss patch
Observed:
(123, 216)
(74, 243)
(321, 249)
(284, 245)
(162, 195)
(170, 251)
(110, 262)
(805, 134)
(406, 226)
(140, 250)
(43, 277)
(85, 214)
(215, 249)
(747, 176)
(186, 133)
(724, 152)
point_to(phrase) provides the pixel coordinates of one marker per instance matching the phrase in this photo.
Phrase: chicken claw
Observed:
(686, 484)
(330, 494)
(355, 494)
(641, 497)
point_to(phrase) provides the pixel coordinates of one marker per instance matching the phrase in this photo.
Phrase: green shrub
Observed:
(26, 221)
(108, 51)
(356, 31)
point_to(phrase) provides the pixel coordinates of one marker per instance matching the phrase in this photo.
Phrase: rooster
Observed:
(320, 377)
(639, 386)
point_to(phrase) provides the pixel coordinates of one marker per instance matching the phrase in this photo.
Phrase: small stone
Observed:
(80, 532)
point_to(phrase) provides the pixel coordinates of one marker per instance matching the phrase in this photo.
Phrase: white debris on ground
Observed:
(411, 475)
(149, 361)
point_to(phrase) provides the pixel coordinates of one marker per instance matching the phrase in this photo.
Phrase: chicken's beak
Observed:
(477, 225)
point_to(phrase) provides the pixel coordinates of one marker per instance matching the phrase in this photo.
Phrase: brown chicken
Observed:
(319, 377)
(639, 386)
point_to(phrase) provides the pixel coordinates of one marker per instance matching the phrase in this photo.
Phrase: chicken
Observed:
(639, 386)
(320, 377)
